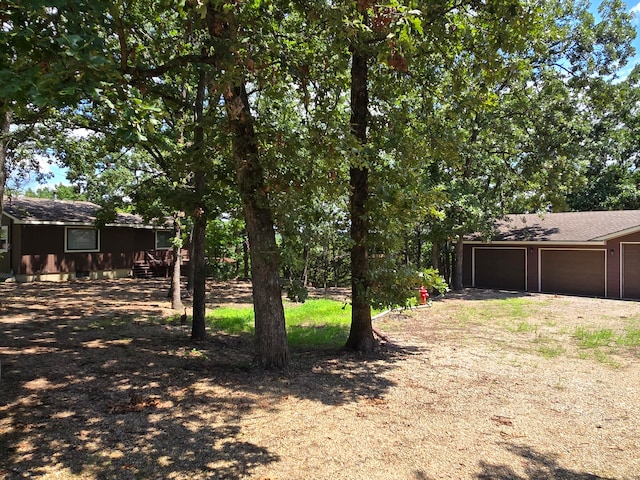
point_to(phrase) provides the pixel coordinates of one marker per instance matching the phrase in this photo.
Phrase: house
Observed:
(42, 239)
(580, 253)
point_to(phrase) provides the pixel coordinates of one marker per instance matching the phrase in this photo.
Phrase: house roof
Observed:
(567, 227)
(25, 210)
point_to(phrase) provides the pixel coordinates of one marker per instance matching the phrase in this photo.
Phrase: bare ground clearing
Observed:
(96, 383)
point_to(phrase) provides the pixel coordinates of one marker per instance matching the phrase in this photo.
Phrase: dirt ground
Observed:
(97, 384)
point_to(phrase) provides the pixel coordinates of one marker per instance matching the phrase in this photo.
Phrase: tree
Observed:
(60, 191)
(508, 138)
(157, 119)
(379, 34)
(609, 177)
(361, 333)
(391, 33)
(116, 173)
(176, 298)
(282, 100)
(38, 73)
(157, 59)
(225, 65)
(6, 115)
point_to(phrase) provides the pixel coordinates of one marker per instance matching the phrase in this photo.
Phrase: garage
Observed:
(501, 268)
(594, 253)
(581, 272)
(631, 270)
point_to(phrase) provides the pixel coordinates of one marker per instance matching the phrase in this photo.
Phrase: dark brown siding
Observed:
(631, 271)
(16, 248)
(580, 272)
(42, 239)
(42, 250)
(500, 268)
(467, 273)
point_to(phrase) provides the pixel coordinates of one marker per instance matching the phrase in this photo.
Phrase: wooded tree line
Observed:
(327, 142)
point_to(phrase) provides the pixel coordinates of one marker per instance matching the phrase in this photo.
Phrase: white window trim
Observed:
(156, 240)
(67, 250)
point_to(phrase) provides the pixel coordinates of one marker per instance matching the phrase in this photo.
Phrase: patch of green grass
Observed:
(602, 357)
(608, 338)
(594, 338)
(548, 347)
(551, 351)
(522, 327)
(631, 337)
(601, 343)
(318, 335)
(515, 307)
(313, 323)
(318, 323)
(232, 320)
(505, 310)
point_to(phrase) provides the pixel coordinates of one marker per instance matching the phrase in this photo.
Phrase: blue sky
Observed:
(633, 6)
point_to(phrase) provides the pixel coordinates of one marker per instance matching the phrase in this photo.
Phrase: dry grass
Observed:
(95, 384)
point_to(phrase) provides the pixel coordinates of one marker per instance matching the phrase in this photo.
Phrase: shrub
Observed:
(296, 291)
(397, 286)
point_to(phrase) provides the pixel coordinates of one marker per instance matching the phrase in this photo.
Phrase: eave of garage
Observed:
(536, 243)
(566, 228)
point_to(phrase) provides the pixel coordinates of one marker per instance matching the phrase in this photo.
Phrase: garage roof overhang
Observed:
(564, 228)
(534, 243)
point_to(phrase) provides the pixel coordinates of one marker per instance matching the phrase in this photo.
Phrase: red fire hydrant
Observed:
(424, 295)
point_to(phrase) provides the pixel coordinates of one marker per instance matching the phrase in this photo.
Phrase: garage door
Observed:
(503, 268)
(580, 272)
(631, 271)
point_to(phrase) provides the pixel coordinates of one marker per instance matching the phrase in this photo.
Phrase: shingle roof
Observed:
(568, 226)
(62, 212)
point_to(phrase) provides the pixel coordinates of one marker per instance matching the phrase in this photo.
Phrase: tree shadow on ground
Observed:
(95, 391)
(537, 466)
(93, 399)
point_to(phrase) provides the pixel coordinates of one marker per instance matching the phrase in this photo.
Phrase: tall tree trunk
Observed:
(361, 334)
(419, 247)
(6, 116)
(176, 297)
(457, 277)
(305, 272)
(406, 253)
(272, 350)
(435, 256)
(245, 258)
(198, 330)
(198, 327)
(190, 273)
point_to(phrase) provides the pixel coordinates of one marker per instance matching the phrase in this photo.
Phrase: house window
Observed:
(164, 239)
(4, 238)
(82, 240)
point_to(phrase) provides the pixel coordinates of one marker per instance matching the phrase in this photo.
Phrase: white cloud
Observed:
(80, 133)
(48, 174)
(635, 11)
